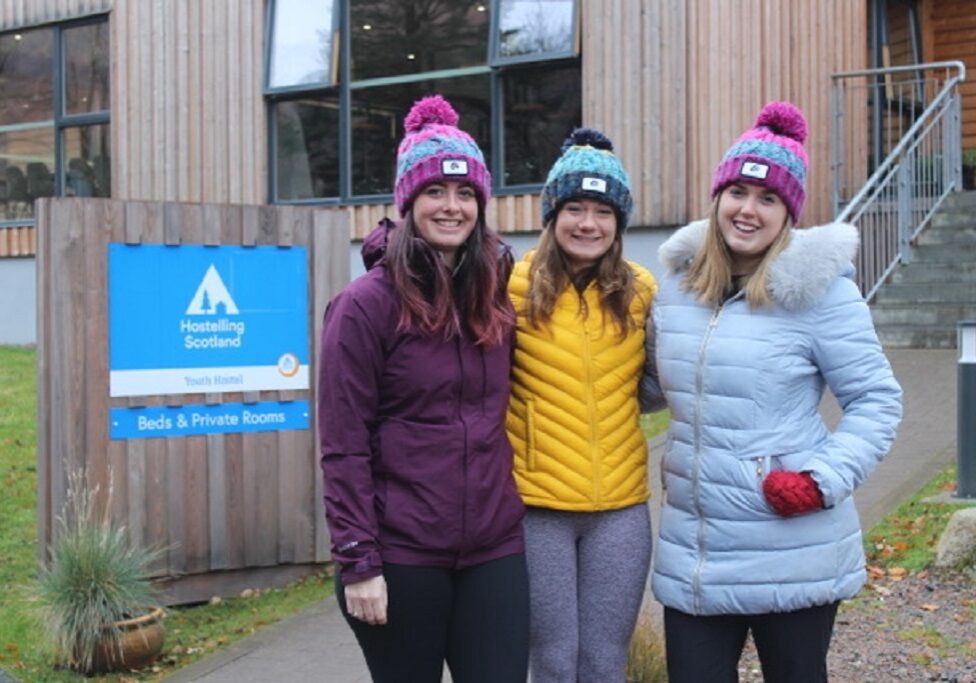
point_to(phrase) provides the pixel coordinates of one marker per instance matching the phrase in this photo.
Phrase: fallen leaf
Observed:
(929, 607)
(897, 572)
(876, 572)
(922, 574)
(881, 590)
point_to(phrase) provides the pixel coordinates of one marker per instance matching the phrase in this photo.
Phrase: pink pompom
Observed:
(432, 109)
(783, 118)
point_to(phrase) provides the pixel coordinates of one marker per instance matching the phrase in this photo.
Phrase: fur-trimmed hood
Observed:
(799, 276)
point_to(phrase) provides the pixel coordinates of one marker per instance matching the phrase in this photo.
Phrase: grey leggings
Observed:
(587, 573)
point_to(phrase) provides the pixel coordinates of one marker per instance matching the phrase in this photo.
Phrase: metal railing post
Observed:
(903, 197)
(966, 419)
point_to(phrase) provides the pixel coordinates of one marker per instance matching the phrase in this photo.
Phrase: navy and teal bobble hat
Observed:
(587, 169)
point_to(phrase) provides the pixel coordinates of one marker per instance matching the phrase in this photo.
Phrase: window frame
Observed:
(496, 70)
(494, 41)
(60, 121)
(269, 34)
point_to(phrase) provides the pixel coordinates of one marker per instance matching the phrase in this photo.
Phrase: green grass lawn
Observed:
(191, 633)
(907, 538)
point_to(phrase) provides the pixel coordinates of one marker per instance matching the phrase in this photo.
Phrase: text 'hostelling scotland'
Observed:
(212, 334)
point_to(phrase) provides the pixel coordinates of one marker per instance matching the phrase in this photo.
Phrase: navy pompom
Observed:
(588, 137)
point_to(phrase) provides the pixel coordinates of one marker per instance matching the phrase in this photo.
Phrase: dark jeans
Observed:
(792, 646)
(476, 619)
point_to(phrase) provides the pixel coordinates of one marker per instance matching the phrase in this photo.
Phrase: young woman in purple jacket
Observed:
(424, 516)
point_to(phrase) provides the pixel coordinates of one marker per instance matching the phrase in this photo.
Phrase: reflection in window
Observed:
(86, 60)
(377, 125)
(509, 67)
(26, 160)
(26, 82)
(395, 37)
(33, 135)
(535, 28)
(307, 150)
(88, 165)
(303, 34)
(541, 108)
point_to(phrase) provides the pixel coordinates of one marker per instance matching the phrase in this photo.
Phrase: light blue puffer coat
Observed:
(744, 386)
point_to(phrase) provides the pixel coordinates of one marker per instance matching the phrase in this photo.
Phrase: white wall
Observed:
(18, 301)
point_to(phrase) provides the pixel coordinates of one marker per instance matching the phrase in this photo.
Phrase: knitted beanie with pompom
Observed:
(770, 154)
(434, 149)
(587, 169)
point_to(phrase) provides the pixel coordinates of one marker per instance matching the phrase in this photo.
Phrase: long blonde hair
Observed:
(550, 275)
(710, 274)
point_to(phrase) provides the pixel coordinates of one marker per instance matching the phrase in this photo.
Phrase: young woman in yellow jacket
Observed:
(580, 455)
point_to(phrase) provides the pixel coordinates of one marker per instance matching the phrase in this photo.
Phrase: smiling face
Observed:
(750, 218)
(444, 214)
(585, 230)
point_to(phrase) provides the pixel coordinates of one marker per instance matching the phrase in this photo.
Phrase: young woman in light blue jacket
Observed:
(753, 320)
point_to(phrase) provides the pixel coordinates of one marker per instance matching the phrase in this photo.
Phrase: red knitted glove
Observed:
(792, 493)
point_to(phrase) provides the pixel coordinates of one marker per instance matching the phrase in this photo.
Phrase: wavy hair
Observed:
(710, 274)
(437, 302)
(550, 275)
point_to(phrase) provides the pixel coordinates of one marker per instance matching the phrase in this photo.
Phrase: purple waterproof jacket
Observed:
(416, 461)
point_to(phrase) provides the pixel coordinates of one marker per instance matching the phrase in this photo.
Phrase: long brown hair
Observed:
(437, 302)
(710, 274)
(550, 275)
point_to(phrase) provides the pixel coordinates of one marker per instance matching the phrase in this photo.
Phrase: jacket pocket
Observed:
(530, 434)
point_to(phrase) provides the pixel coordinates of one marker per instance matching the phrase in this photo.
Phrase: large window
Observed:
(54, 114)
(342, 74)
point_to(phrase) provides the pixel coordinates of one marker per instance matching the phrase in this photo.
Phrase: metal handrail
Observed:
(895, 176)
(910, 133)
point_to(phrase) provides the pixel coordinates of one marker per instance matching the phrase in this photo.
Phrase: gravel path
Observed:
(917, 628)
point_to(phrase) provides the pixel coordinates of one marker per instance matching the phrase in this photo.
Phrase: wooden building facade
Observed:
(672, 82)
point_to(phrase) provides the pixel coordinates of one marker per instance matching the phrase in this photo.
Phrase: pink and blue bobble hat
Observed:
(435, 149)
(770, 154)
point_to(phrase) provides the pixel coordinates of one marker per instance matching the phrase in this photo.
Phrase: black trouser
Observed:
(476, 619)
(792, 646)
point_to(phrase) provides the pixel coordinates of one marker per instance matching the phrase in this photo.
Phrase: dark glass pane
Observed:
(307, 152)
(377, 125)
(394, 37)
(86, 71)
(26, 90)
(88, 171)
(26, 160)
(302, 43)
(542, 105)
(535, 27)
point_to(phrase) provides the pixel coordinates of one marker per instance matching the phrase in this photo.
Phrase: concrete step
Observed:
(936, 315)
(922, 272)
(961, 199)
(917, 337)
(925, 293)
(950, 251)
(950, 224)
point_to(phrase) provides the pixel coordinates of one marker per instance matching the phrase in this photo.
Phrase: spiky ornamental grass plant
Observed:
(95, 578)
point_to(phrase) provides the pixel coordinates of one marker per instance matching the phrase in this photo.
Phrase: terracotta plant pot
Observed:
(141, 641)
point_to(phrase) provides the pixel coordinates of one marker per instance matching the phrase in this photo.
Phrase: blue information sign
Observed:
(157, 421)
(198, 319)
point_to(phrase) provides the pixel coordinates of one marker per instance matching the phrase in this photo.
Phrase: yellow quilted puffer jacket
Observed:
(573, 417)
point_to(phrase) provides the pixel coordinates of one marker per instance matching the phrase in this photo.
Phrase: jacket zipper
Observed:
(696, 462)
(591, 408)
